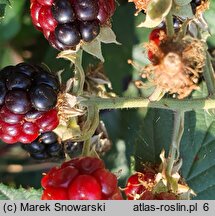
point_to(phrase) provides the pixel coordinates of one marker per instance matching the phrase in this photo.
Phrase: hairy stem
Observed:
(169, 24)
(169, 104)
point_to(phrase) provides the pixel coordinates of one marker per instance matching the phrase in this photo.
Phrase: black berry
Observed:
(43, 97)
(86, 10)
(89, 30)
(62, 11)
(18, 81)
(68, 34)
(3, 92)
(17, 101)
(49, 137)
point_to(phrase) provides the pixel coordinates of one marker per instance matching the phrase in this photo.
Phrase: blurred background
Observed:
(137, 135)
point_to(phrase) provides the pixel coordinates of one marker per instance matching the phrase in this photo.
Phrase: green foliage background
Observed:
(138, 135)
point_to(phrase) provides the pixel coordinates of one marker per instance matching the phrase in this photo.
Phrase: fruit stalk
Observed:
(174, 152)
(79, 74)
(86, 148)
(169, 25)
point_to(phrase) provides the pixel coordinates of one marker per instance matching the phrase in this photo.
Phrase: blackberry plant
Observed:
(67, 122)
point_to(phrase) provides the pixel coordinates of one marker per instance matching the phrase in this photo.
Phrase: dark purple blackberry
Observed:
(68, 34)
(62, 11)
(177, 23)
(5, 72)
(18, 81)
(24, 68)
(43, 97)
(86, 10)
(49, 137)
(45, 147)
(48, 79)
(34, 114)
(18, 101)
(3, 91)
(56, 43)
(73, 149)
(89, 30)
(34, 147)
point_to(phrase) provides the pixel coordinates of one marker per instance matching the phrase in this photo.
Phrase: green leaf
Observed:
(182, 2)
(183, 11)
(9, 193)
(94, 48)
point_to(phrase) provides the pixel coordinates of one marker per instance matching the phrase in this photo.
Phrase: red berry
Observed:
(46, 2)
(155, 35)
(106, 10)
(35, 9)
(9, 117)
(137, 184)
(27, 138)
(46, 19)
(8, 139)
(49, 121)
(54, 194)
(108, 181)
(30, 128)
(134, 188)
(83, 178)
(11, 129)
(87, 186)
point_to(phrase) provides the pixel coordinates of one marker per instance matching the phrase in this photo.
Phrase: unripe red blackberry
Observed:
(83, 178)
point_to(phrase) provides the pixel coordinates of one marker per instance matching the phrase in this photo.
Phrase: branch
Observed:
(168, 104)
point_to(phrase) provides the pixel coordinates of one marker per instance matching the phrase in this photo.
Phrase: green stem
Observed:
(79, 74)
(169, 104)
(169, 24)
(209, 76)
(86, 148)
(178, 130)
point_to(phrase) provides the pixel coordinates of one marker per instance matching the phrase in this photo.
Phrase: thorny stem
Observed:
(169, 24)
(209, 76)
(138, 102)
(173, 156)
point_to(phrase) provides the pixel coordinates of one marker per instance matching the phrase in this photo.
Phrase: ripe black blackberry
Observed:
(46, 146)
(66, 22)
(28, 96)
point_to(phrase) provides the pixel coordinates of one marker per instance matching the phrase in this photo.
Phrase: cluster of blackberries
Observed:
(48, 147)
(28, 96)
(65, 23)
